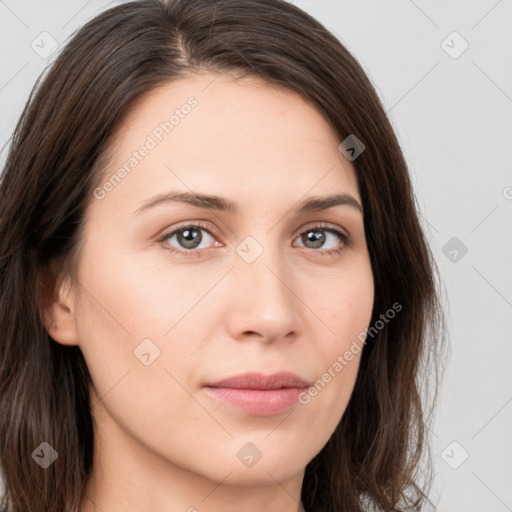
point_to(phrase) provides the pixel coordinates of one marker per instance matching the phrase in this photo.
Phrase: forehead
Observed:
(214, 133)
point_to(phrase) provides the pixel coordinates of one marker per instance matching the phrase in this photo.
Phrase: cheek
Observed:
(346, 307)
(134, 311)
(138, 296)
(122, 324)
(344, 303)
(325, 401)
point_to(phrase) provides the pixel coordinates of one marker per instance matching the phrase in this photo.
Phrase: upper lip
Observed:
(260, 381)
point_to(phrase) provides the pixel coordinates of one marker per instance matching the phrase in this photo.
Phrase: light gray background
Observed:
(453, 118)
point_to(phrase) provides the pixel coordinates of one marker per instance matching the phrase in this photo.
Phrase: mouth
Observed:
(258, 394)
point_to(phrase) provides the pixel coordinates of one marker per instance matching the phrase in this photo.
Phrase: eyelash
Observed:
(346, 239)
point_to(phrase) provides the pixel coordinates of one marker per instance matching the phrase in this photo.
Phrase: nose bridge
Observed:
(264, 296)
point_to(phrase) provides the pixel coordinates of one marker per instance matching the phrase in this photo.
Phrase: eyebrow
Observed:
(214, 202)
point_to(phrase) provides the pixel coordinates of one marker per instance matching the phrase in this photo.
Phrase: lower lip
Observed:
(258, 402)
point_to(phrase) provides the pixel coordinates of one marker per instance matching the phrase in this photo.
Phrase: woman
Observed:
(216, 291)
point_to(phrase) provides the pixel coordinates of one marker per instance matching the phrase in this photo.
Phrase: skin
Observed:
(161, 443)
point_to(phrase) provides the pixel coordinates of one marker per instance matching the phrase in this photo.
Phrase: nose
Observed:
(264, 301)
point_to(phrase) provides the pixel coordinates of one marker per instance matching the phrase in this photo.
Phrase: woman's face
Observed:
(258, 287)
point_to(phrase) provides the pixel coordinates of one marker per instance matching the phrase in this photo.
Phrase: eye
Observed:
(189, 237)
(316, 236)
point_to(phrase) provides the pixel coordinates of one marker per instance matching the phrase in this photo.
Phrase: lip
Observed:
(258, 394)
(260, 381)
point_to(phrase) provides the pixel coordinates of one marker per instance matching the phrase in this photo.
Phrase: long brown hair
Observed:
(59, 149)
